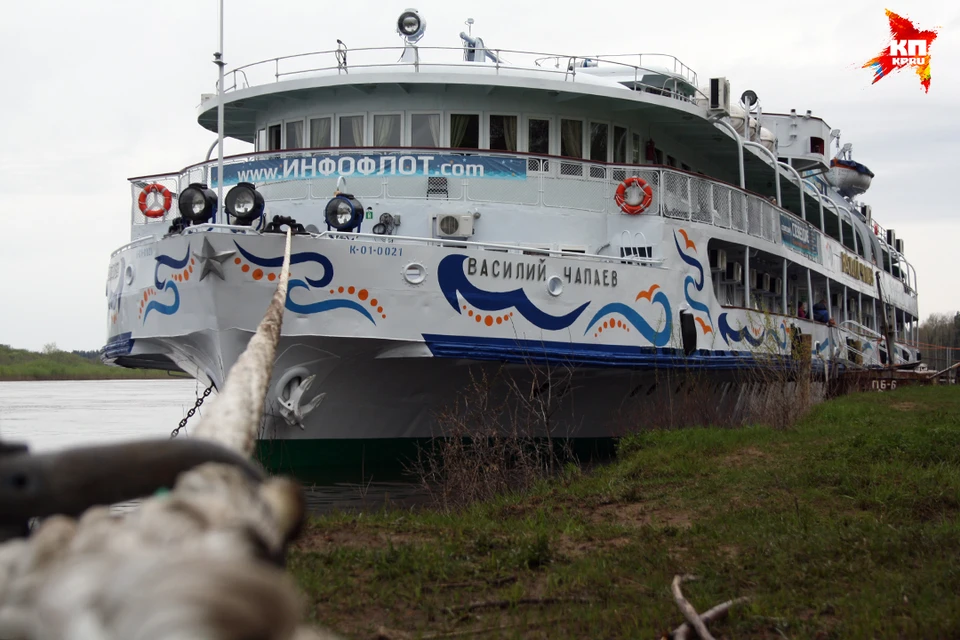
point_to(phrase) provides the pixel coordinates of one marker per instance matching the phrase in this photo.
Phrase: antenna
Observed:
(469, 24)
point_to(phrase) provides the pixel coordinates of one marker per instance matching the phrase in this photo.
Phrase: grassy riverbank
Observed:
(847, 525)
(20, 364)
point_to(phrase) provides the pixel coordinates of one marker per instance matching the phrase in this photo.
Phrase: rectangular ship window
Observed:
(320, 133)
(619, 144)
(351, 131)
(261, 140)
(503, 133)
(294, 134)
(538, 141)
(273, 137)
(571, 138)
(464, 131)
(386, 130)
(425, 130)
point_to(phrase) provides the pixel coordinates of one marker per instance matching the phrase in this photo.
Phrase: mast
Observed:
(218, 60)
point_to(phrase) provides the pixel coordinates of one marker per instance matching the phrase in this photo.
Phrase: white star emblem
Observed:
(211, 261)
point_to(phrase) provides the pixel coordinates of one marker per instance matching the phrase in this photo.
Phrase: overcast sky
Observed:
(98, 91)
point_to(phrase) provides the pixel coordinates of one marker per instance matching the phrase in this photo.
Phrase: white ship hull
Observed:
(389, 353)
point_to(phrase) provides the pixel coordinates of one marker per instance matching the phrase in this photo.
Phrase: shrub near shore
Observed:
(846, 525)
(53, 364)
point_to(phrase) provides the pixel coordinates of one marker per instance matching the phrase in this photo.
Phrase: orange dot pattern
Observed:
(611, 324)
(361, 294)
(486, 319)
(147, 294)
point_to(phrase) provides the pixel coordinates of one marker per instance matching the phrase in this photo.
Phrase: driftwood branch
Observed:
(685, 631)
(687, 609)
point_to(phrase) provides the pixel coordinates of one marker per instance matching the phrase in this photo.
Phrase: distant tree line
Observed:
(940, 340)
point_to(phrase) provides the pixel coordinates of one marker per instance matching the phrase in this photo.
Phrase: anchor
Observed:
(290, 389)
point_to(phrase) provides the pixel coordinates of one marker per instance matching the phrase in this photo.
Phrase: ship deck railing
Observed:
(550, 183)
(565, 66)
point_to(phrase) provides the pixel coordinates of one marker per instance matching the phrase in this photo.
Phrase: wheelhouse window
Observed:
(273, 137)
(538, 136)
(351, 131)
(386, 130)
(293, 134)
(425, 130)
(320, 132)
(599, 141)
(619, 144)
(503, 133)
(464, 131)
(571, 138)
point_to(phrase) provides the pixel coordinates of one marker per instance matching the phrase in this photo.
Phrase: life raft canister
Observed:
(155, 211)
(633, 209)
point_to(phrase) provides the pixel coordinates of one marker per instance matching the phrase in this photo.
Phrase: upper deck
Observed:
(654, 79)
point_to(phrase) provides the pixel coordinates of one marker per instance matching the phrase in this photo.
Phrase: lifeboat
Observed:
(849, 177)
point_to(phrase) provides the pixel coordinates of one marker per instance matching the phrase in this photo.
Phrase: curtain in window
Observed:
(358, 130)
(503, 133)
(459, 125)
(319, 132)
(294, 134)
(386, 130)
(425, 130)
(571, 138)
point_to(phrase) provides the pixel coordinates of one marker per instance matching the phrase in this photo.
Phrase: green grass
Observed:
(20, 364)
(845, 526)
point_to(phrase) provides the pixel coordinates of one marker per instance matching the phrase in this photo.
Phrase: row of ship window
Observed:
(569, 137)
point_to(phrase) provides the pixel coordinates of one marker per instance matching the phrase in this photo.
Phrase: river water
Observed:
(48, 416)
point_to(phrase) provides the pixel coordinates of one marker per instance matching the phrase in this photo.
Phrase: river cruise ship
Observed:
(464, 208)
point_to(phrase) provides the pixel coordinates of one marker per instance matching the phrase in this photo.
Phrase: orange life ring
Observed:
(633, 209)
(159, 211)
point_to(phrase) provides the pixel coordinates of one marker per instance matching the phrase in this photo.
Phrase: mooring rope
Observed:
(183, 423)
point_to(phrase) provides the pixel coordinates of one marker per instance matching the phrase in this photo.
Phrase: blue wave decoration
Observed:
(296, 258)
(324, 305)
(165, 309)
(452, 279)
(167, 261)
(113, 303)
(729, 335)
(823, 346)
(656, 338)
(776, 335)
(693, 262)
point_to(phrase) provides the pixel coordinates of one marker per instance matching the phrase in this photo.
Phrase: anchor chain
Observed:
(183, 423)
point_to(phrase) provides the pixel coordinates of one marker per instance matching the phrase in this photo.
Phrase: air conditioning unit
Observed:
(734, 273)
(765, 282)
(891, 237)
(867, 212)
(778, 286)
(899, 246)
(454, 226)
(718, 260)
(754, 281)
(719, 96)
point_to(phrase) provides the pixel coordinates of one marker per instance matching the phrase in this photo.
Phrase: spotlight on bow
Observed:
(197, 203)
(244, 203)
(343, 212)
(411, 26)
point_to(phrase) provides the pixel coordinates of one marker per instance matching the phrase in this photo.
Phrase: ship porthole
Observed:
(554, 286)
(414, 273)
(128, 274)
